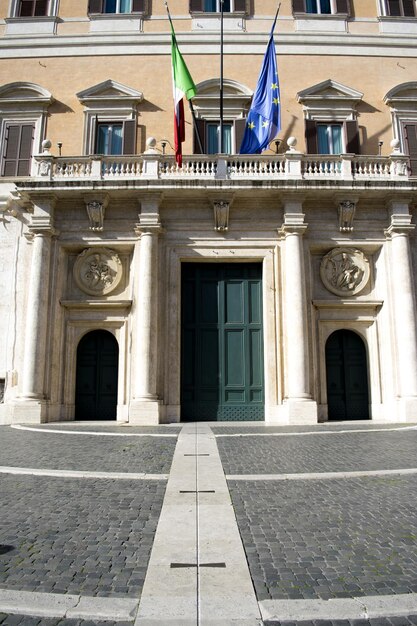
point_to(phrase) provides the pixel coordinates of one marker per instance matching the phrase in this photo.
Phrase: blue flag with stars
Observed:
(264, 118)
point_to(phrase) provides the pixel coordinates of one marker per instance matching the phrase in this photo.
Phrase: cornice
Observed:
(117, 44)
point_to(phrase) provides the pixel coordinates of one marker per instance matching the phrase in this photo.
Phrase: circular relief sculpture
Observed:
(345, 271)
(98, 271)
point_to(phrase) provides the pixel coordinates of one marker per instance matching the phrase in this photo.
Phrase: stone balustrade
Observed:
(289, 165)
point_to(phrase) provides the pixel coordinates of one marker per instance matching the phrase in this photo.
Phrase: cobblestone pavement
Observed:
(22, 448)
(326, 453)
(314, 538)
(83, 536)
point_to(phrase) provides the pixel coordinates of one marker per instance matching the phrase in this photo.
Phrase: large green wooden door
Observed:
(347, 376)
(97, 373)
(222, 342)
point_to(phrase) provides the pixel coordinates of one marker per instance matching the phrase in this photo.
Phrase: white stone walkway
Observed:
(198, 574)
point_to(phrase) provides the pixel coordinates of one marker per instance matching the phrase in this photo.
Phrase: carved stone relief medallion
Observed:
(345, 271)
(98, 271)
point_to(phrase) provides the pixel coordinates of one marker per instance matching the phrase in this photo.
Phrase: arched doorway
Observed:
(347, 376)
(97, 374)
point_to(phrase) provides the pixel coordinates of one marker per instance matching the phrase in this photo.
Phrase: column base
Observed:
(146, 412)
(407, 410)
(28, 411)
(300, 411)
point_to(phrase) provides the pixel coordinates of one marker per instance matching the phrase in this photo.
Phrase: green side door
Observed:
(222, 342)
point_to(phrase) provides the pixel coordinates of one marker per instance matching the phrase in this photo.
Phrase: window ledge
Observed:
(116, 22)
(397, 25)
(211, 21)
(39, 25)
(314, 22)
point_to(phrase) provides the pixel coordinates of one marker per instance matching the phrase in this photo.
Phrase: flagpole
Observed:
(221, 77)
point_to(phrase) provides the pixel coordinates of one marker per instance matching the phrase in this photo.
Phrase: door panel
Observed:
(97, 375)
(222, 343)
(347, 376)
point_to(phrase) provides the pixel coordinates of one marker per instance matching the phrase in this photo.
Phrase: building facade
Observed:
(277, 287)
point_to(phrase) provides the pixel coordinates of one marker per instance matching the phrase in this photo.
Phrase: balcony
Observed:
(286, 167)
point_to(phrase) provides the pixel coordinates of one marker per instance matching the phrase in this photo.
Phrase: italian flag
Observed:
(183, 85)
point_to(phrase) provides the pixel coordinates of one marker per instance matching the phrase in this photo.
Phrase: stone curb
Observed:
(366, 607)
(81, 474)
(67, 606)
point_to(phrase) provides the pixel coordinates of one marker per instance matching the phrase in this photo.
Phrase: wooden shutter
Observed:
(138, 6)
(311, 137)
(410, 134)
(129, 137)
(95, 6)
(240, 126)
(342, 6)
(298, 6)
(408, 8)
(240, 6)
(352, 138)
(17, 149)
(200, 127)
(196, 5)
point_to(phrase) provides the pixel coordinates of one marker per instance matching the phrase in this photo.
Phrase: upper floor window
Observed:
(331, 125)
(117, 6)
(110, 118)
(400, 8)
(214, 6)
(23, 116)
(321, 7)
(32, 8)
(28, 17)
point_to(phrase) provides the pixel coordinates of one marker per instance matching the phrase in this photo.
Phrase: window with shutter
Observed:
(33, 8)
(17, 149)
(321, 7)
(116, 6)
(208, 131)
(214, 6)
(115, 138)
(401, 8)
(332, 138)
(410, 135)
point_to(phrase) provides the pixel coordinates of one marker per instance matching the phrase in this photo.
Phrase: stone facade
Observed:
(93, 242)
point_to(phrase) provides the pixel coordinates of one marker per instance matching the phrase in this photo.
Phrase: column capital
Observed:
(148, 229)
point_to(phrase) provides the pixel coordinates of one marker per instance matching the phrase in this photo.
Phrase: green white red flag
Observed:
(183, 85)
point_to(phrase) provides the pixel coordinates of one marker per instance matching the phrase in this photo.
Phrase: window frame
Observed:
(24, 103)
(51, 11)
(96, 8)
(236, 7)
(338, 8)
(109, 102)
(386, 11)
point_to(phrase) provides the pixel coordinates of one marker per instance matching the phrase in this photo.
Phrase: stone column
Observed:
(404, 304)
(145, 407)
(32, 404)
(300, 407)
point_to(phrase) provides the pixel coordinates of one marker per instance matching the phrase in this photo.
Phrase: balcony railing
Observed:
(291, 165)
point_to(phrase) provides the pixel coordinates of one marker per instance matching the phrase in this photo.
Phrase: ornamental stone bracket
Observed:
(96, 209)
(346, 210)
(221, 210)
(221, 215)
(345, 271)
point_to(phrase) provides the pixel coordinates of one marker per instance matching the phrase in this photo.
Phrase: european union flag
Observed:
(264, 118)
